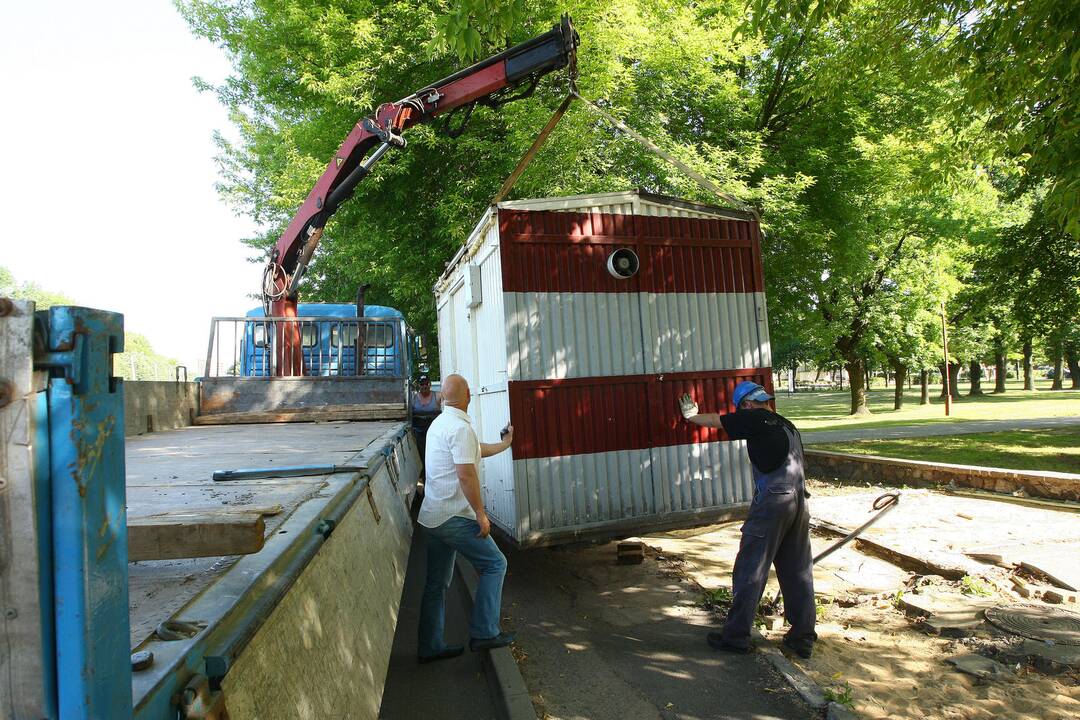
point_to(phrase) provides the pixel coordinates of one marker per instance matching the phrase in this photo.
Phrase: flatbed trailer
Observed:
(300, 625)
(322, 593)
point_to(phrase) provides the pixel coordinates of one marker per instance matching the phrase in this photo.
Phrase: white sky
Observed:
(107, 172)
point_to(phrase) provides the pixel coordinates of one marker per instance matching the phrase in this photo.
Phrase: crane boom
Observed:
(489, 82)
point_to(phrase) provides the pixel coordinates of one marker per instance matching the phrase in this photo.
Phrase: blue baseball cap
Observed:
(747, 390)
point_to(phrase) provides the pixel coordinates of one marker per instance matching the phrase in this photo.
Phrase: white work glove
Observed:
(687, 406)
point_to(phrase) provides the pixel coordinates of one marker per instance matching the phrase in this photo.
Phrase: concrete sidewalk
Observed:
(604, 641)
(962, 427)
(454, 689)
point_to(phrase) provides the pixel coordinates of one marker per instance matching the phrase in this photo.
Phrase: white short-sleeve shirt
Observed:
(451, 441)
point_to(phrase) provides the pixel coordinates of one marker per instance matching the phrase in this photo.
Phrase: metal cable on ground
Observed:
(883, 504)
(652, 147)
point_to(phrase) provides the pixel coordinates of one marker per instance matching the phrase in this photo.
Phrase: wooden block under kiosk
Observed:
(189, 535)
(630, 553)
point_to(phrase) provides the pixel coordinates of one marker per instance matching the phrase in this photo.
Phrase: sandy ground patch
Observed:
(871, 651)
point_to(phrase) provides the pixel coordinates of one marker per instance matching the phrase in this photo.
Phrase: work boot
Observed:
(801, 648)
(501, 640)
(717, 642)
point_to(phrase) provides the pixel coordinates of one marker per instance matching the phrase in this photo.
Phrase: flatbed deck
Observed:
(338, 545)
(171, 471)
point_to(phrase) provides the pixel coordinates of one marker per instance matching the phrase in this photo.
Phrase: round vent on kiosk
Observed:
(623, 263)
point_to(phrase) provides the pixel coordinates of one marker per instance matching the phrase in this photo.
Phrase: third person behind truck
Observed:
(777, 530)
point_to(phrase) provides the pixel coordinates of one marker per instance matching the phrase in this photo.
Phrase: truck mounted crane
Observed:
(510, 75)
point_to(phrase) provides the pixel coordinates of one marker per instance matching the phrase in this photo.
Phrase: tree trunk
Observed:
(954, 373)
(867, 375)
(975, 377)
(1029, 374)
(924, 382)
(900, 371)
(1073, 359)
(857, 378)
(1059, 370)
(1000, 371)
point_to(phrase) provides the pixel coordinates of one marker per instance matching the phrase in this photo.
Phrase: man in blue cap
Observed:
(777, 530)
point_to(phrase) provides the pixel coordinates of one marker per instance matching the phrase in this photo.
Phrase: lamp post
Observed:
(945, 375)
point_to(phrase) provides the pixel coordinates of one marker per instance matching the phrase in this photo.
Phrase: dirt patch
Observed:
(879, 652)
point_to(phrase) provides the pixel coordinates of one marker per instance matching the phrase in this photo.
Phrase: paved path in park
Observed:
(604, 641)
(962, 427)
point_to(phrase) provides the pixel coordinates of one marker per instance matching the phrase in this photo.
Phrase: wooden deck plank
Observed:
(192, 535)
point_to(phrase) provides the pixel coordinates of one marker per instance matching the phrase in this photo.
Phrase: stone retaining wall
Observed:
(892, 471)
(151, 406)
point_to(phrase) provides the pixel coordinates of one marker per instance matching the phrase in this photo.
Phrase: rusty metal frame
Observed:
(88, 510)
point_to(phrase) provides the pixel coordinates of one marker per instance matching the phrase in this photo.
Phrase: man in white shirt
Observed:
(455, 521)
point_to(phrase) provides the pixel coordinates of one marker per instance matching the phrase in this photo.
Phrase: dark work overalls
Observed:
(776, 532)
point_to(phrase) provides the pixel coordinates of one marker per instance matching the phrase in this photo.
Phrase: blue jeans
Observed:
(456, 535)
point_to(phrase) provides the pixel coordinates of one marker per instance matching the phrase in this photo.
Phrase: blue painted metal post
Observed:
(43, 516)
(89, 518)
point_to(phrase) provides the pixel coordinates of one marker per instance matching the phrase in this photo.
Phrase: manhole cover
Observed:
(1037, 622)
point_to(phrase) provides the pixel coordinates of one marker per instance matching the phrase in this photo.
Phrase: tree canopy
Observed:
(894, 148)
(139, 361)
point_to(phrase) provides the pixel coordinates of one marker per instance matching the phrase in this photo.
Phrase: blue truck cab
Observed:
(330, 336)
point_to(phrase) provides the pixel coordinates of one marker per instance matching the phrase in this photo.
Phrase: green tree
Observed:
(858, 176)
(1018, 65)
(139, 361)
(306, 71)
(41, 298)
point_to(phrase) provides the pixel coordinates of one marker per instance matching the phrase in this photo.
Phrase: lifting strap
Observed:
(701, 180)
(523, 163)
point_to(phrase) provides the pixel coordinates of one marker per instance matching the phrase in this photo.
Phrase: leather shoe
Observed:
(803, 650)
(450, 651)
(501, 640)
(717, 642)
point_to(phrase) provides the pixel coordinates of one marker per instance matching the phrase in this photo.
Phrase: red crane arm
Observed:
(488, 82)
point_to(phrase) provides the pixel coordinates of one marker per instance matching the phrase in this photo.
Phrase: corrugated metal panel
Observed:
(497, 471)
(447, 338)
(598, 488)
(690, 477)
(575, 335)
(491, 322)
(585, 489)
(576, 417)
(625, 412)
(699, 332)
(627, 202)
(567, 252)
(719, 267)
(463, 336)
(568, 335)
(660, 210)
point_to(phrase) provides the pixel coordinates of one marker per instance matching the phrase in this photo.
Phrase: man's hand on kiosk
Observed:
(687, 406)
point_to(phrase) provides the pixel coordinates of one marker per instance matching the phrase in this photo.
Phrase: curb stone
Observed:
(836, 711)
(501, 669)
(811, 693)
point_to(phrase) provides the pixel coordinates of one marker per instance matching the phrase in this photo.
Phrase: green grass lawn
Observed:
(1056, 449)
(829, 410)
